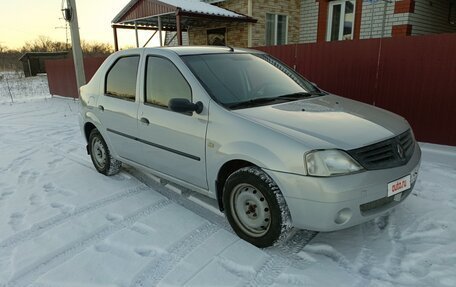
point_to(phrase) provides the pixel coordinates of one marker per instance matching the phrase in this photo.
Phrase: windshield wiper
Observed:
(287, 97)
(295, 96)
(253, 102)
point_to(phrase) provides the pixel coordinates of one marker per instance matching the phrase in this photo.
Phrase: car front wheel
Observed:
(101, 156)
(255, 207)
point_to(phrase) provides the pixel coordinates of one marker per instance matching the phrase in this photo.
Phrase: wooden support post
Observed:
(137, 37)
(160, 31)
(178, 28)
(116, 41)
(249, 25)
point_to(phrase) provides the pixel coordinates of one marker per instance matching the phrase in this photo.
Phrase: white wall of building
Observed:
(378, 19)
(309, 23)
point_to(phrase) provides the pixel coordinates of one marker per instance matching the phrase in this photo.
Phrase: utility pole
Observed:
(72, 17)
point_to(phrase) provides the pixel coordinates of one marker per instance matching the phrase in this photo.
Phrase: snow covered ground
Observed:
(14, 87)
(64, 224)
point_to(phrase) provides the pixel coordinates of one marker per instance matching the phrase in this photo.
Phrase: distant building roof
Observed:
(29, 55)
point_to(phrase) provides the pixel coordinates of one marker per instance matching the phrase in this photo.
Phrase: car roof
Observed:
(198, 50)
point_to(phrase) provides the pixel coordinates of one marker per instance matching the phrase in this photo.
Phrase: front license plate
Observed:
(399, 185)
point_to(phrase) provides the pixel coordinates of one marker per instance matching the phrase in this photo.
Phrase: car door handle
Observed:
(144, 121)
(101, 108)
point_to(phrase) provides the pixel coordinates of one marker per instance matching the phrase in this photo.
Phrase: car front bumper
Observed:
(333, 203)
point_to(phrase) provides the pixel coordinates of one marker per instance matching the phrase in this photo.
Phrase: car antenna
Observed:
(231, 48)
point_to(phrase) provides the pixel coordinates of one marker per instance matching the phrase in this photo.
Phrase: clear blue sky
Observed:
(25, 20)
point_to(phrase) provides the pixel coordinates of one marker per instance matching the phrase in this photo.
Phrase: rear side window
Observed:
(121, 78)
(164, 82)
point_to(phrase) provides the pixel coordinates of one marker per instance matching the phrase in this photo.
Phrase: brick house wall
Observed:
(307, 20)
(309, 23)
(289, 8)
(379, 19)
(237, 33)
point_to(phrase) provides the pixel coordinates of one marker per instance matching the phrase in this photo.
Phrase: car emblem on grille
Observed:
(400, 151)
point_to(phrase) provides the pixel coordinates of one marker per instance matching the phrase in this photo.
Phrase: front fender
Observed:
(252, 152)
(245, 151)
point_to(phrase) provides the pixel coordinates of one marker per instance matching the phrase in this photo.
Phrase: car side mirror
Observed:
(185, 106)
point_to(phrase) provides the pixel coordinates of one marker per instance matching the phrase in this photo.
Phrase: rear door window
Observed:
(121, 78)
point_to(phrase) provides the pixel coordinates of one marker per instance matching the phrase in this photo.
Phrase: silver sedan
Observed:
(241, 127)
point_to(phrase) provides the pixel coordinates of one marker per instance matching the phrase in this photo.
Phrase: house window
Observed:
(341, 20)
(276, 29)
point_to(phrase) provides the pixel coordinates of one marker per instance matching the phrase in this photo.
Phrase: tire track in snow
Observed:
(20, 160)
(71, 157)
(30, 273)
(365, 261)
(41, 227)
(281, 256)
(182, 200)
(268, 272)
(15, 115)
(160, 266)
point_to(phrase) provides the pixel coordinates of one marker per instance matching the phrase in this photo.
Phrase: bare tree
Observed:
(96, 48)
(9, 59)
(43, 44)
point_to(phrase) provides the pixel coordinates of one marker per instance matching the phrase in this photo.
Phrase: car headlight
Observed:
(330, 162)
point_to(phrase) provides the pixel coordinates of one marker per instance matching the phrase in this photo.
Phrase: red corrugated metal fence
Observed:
(411, 76)
(62, 78)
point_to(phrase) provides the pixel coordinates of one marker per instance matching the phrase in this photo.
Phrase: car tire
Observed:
(101, 156)
(255, 207)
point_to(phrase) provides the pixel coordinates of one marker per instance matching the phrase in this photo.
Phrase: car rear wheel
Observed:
(255, 207)
(101, 156)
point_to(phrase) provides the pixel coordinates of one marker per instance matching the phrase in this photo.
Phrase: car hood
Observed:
(340, 122)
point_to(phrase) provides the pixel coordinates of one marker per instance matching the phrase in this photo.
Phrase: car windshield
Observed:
(246, 80)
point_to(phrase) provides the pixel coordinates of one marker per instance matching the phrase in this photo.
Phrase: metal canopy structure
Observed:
(171, 15)
(33, 62)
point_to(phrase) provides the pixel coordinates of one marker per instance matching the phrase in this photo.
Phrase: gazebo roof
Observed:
(146, 12)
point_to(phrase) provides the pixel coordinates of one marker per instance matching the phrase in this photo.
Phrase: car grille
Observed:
(377, 205)
(393, 152)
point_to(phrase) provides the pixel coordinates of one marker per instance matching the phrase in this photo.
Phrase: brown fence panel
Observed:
(62, 78)
(411, 76)
(418, 81)
(286, 54)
